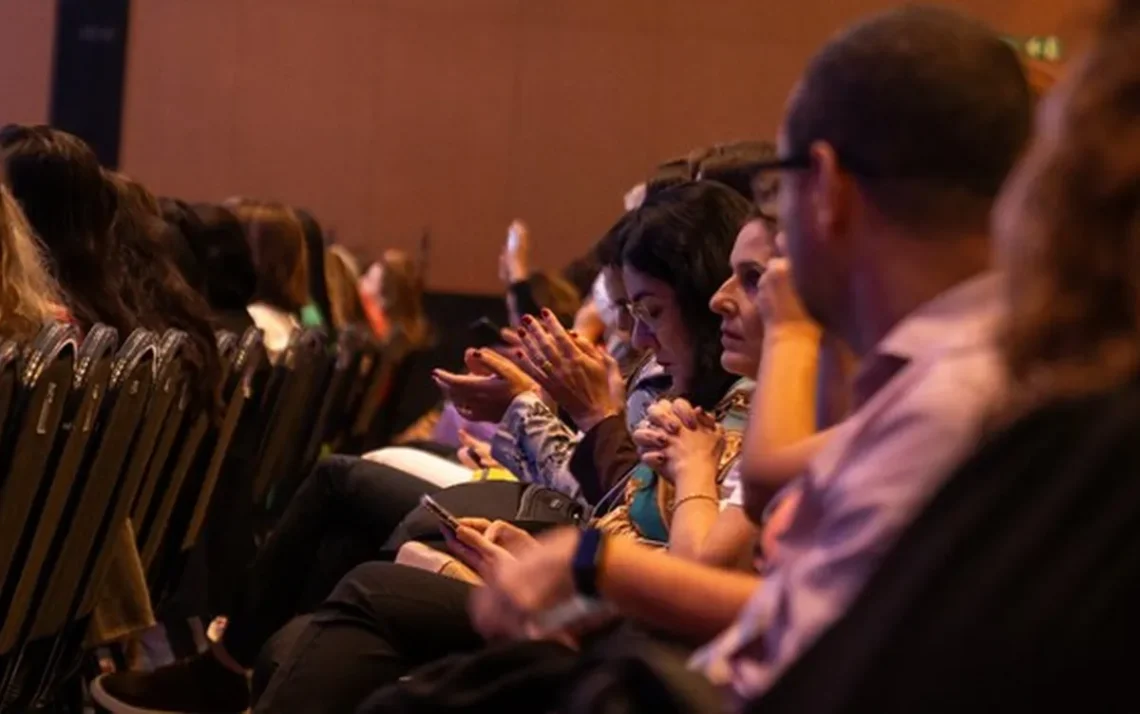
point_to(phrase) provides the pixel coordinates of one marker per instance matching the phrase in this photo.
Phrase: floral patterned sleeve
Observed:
(535, 445)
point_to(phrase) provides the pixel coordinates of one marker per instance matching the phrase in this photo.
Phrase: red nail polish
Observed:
(521, 332)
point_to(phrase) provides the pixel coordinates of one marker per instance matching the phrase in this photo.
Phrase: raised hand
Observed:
(579, 376)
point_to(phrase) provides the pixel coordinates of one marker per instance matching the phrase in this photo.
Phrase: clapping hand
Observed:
(581, 377)
(488, 389)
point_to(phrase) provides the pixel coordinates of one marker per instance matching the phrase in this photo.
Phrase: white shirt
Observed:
(876, 473)
(276, 325)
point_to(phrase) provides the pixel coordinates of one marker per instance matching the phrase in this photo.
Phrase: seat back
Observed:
(9, 378)
(243, 363)
(54, 503)
(147, 513)
(195, 423)
(98, 509)
(301, 361)
(367, 365)
(41, 394)
(101, 502)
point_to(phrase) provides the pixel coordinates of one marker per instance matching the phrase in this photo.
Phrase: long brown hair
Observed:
(402, 297)
(29, 297)
(277, 241)
(1069, 228)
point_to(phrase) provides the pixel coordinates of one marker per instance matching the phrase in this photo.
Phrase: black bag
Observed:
(507, 678)
(529, 506)
(624, 672)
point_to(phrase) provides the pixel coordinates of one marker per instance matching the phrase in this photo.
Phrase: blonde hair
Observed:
(29, 296)
(344, 295)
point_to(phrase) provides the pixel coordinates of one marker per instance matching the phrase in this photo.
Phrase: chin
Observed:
(738, 364)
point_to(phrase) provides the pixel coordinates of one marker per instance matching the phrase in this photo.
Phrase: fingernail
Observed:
(521, 332)
(519, 354)
(573, 333)
(528, 319)
(479, 354)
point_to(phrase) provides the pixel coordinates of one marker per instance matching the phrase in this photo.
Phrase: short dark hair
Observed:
(734, 164)
(668, 174)
(927, 108)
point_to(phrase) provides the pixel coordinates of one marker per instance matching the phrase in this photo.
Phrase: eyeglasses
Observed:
(796, 161)
(639, 312)
(799, 162)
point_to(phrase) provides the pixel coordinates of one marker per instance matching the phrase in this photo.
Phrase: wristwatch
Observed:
(587, 562)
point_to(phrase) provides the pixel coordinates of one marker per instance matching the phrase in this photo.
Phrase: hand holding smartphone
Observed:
(447, 519)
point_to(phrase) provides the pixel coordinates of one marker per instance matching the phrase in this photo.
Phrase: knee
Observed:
(358, 589)
(332, 472)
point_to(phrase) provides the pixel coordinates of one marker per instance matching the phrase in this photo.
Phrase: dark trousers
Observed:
(380, 622)
(340, 517)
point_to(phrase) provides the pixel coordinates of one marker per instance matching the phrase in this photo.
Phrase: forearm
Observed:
(683, 598)
(783, 407)
(535, 445)
(605, 454)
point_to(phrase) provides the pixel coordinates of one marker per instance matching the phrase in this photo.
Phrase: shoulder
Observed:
(914, 433)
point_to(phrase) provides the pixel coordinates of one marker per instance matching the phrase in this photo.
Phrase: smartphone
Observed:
(512, 239)
(485, 333)
(446, 518)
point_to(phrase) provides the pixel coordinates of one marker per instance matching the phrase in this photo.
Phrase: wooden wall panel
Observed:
(388, 116)
(27, 32)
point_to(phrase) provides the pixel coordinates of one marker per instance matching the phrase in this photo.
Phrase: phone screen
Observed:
(446, 518)
(512, 240)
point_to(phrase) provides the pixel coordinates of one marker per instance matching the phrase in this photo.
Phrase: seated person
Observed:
(277, 243)
(1016, 588)
(647, 500)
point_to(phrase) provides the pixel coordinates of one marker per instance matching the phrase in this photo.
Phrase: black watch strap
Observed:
(587, 562)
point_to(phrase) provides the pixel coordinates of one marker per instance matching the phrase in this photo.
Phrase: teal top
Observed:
(644, 506)
(311, 316)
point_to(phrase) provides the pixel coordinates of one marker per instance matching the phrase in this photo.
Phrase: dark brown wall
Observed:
(386, 116)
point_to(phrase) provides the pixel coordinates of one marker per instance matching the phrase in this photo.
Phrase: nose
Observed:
(721, 302)
(642, 337)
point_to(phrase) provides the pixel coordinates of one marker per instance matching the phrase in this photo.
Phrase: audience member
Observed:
(1016, 587)
(277, 244)
(318, 312)
(154, 288)
(734, 165)
(345, 308)
(59, 184)
(224, 257)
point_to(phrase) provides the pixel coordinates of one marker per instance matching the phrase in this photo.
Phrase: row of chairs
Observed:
(95, 435)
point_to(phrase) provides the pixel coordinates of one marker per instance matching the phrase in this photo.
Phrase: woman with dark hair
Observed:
(154, 288)
(57, 179)
(220, 248)
(280, 256)
(317, 313)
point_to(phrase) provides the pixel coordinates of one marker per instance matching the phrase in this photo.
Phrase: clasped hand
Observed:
(681, 443)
